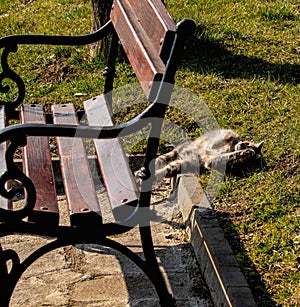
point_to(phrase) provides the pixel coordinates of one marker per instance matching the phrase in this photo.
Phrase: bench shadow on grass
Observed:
(205, 55)
(254, 279)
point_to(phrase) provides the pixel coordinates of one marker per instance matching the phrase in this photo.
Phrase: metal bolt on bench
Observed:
(153, 45)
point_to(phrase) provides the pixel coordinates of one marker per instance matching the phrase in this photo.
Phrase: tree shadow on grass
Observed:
(206, 55)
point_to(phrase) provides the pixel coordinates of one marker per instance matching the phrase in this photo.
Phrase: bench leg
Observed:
(155, 275)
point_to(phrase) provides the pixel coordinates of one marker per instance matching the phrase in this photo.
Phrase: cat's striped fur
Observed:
(215, 149)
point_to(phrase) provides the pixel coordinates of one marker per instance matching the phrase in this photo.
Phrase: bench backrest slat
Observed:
(143, 34)
(159, 26)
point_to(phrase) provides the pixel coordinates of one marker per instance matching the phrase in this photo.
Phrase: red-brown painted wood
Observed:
(78, 182)
(37, 166)
(157, 23)
(144, 58)
(117, 176)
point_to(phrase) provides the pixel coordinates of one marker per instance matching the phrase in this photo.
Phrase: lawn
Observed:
(245, 62)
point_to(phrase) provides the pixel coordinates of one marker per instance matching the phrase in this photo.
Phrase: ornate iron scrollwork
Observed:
(7, 276)
(8, 73)
(14, 173)
(8, 255)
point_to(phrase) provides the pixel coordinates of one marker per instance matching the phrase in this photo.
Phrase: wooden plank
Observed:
(4, 203)
(145, 60)
(117, 176)
(157, 23)
(38, 167)
(78, 182)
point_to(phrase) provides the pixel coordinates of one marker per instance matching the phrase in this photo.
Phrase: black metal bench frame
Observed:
(88, 228)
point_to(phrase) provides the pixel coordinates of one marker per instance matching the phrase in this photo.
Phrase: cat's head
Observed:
(242, 145)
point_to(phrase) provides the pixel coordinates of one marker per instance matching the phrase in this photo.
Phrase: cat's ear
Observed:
(259, 146)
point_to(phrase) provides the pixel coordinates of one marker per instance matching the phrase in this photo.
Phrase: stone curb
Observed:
(221, 272)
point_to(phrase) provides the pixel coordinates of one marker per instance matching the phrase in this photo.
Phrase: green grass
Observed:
(245, 63)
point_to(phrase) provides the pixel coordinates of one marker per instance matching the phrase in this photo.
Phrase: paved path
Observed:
(90, 275)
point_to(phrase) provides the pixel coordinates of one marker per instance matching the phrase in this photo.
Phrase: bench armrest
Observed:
(10, 44)
(34, 39)
(18, 132)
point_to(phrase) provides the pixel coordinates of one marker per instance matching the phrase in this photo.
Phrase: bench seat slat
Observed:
(38, 167)
(118, 179)
(78, 182)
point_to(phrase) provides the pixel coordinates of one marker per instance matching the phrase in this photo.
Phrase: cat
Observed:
(216, 149)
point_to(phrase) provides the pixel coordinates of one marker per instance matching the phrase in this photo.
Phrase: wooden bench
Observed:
(153, 45)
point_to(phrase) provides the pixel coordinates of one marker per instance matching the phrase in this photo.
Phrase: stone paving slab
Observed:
(91, 275)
